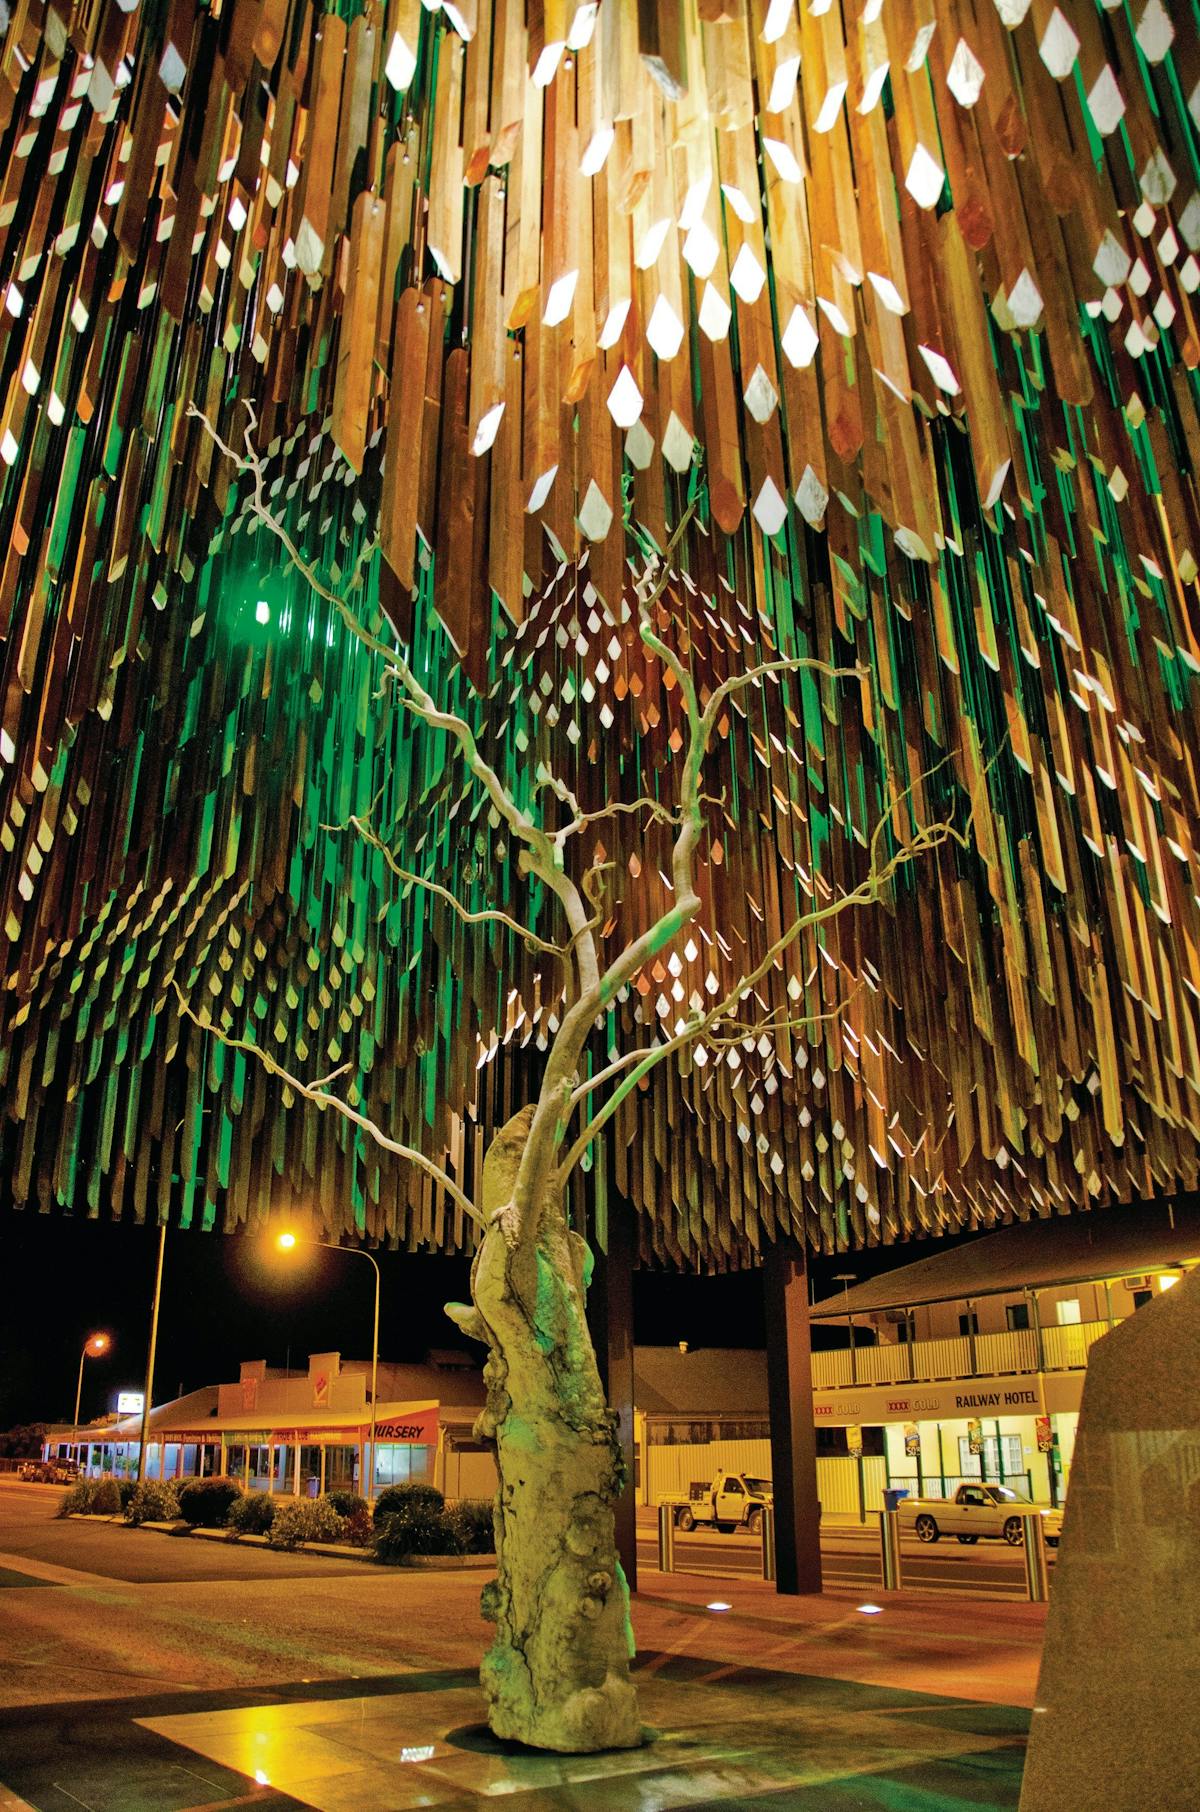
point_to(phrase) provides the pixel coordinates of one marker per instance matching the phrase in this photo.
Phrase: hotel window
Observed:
(968, 1323)
(1017, 1315)
(987, 1464)
(1068, 1312)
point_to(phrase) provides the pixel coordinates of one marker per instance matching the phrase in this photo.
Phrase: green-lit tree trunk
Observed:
(557, 1672)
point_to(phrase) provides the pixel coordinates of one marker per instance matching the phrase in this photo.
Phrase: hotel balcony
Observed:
(1014, 1352)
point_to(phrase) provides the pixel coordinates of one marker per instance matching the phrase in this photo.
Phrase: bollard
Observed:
(768, 1541)
(666, 1538)
(1037, 1579)
(889, 1548)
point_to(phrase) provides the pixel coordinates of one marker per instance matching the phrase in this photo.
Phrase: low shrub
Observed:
(126, 1487)
(471, 1519)
(78, 1501)
(299, 1519)
(106, 1498)
(251, 1514)
(206, 1503)
(153, 1501)
(358, 1528)
(399, 1499)
(416, 1528)
(346, 1503)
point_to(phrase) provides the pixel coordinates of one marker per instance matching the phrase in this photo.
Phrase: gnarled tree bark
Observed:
(557, 1671)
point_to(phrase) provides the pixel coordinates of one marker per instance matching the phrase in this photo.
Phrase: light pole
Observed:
(846, 1278)
(93, 1347)
(148, 1395)
(287, 1242)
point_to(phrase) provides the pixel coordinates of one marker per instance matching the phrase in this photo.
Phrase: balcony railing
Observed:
(931, 1361)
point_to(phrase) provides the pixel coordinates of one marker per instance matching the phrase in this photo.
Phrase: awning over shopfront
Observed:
(396, 1423)
(1035, 1255)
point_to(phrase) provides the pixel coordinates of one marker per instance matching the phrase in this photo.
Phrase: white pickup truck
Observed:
(733, 1500)
(973, 1511)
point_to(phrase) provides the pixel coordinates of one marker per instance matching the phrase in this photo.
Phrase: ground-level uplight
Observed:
(871, 1610)
(718, 1604)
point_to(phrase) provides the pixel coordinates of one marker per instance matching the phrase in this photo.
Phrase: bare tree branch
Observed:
(487, 915)
(542, 858)
(697, 1024)
(319, 1094)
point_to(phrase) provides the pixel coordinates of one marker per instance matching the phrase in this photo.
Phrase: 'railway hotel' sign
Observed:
(955, 1400)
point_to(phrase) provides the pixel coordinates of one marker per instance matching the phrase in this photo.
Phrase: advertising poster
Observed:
(975, 1435)
(854, 1441)
(1045, 1434)
(912, 1440)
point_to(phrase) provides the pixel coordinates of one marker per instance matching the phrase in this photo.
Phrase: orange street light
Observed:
(93, 1347)
(287, 1242)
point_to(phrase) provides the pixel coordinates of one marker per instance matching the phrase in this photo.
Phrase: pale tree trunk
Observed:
(557, 1672)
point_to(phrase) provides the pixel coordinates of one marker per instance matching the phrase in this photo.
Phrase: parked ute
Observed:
(733, 1500)
(49, 1472)
(973, 1511)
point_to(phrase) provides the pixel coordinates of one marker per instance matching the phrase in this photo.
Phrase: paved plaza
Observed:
(146, 1674)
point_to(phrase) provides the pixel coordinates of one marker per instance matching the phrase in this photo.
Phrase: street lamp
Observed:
(287, 1242)
(93, 1347)
(846, 1278)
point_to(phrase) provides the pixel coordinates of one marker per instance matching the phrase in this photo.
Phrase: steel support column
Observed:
(793, 1436)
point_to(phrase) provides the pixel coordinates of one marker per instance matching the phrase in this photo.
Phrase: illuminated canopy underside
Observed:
(903, 293)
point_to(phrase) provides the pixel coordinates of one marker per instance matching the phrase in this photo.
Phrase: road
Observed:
(135, 1611)
(850, 1557)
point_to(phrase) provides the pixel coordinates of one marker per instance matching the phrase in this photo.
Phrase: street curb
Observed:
(456, 1563)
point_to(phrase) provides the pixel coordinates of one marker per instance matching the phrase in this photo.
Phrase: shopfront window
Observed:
(402, 1463)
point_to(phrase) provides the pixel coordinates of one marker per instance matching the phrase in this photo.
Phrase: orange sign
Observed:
(421, 1427)
(321, 1391)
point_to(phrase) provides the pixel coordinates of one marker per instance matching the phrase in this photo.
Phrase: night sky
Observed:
(228, 1297)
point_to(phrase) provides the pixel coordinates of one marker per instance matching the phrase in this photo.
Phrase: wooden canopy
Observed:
(899, 295)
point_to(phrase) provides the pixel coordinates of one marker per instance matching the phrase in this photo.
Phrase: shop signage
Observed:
(854, 1441)
(130, 1402)
(420, 1427)
(912, 1440)
(975, 1435)
(321, 1391)
(312, 1433)
(249, 1395)
(1045, 1434)
(995, 1399)
(955, 1400)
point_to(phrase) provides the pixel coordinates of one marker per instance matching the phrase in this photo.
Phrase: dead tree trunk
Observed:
(557, 1672)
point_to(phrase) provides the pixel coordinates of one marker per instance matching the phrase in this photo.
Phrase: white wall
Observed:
(469, 1474)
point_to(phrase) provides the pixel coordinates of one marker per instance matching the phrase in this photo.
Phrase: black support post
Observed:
(793, 1435)
(610, 1317)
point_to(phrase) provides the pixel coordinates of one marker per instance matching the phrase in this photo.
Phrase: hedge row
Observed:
(404, 1520)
